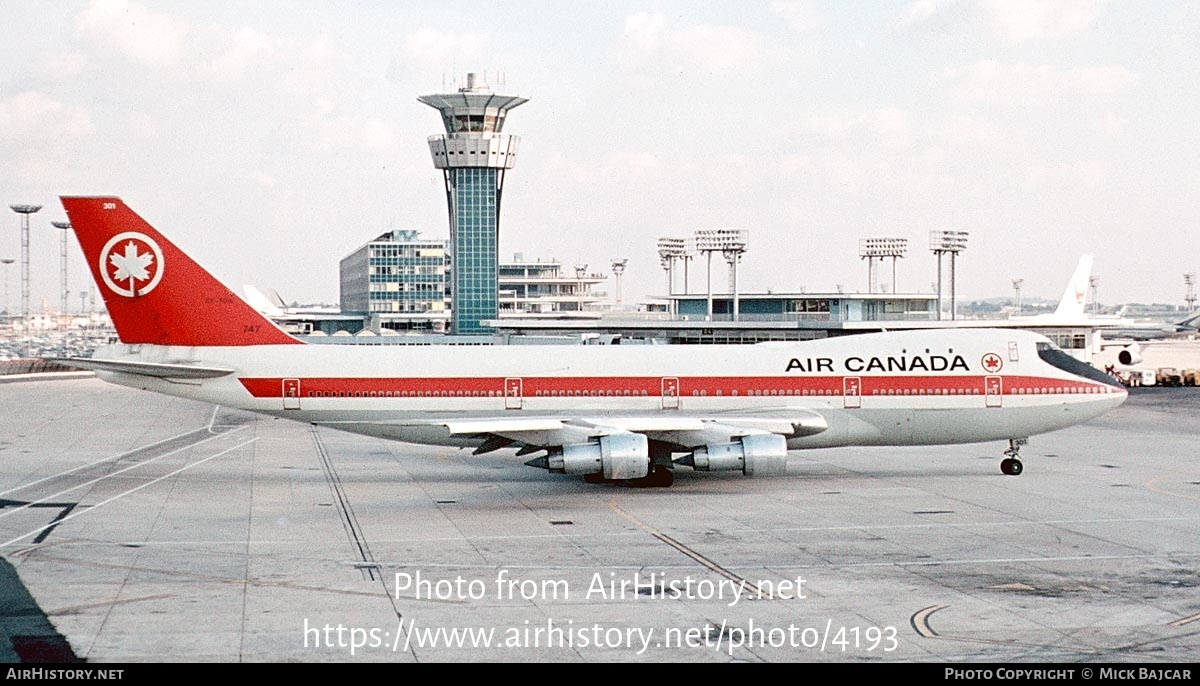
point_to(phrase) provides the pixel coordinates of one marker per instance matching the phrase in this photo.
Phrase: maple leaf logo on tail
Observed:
(131, 264)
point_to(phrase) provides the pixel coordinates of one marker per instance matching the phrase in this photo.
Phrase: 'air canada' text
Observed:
(899, 363)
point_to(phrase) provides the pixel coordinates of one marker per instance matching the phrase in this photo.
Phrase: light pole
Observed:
(686, 255)
(580, 273)
(1017, 287)
(669, 250)
(618, 269)
(1189, 280)
(1094, 286)
(733, 255)
(952, 242)
(871, 249)
(25, 211)
(731, 243)
(62, 261)
(6, 261)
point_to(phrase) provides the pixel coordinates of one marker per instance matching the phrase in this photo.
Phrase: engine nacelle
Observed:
(754, 455)
(617, 456)
(1130, 355)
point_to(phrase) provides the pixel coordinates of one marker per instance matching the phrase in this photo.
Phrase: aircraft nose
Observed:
(1112, 395)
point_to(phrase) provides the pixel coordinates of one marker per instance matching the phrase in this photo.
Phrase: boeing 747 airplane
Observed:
(622, 414)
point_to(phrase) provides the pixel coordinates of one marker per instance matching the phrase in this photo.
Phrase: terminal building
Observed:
(399, 281)
(790, 317)
(813, 307)
(539, 288)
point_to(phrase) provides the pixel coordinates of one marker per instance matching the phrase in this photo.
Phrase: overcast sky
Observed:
(270, 139)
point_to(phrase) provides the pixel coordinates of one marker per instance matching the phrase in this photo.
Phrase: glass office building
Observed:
(473, 155)
(397, 272)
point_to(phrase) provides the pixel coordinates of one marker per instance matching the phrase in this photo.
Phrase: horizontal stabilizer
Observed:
(155, 369)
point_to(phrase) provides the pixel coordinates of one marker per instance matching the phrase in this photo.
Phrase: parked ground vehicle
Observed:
(1168, 376)
(1137, 377)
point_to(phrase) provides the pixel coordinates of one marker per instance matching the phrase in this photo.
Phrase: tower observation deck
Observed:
(473, 155)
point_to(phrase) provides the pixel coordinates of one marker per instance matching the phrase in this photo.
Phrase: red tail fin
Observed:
(154, 292)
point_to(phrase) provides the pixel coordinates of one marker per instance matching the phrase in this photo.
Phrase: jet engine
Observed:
(616, 456)
(754, 455)
(1130, 355)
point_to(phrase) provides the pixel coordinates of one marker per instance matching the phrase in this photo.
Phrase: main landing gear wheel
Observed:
(659, 477)
(1011, 465)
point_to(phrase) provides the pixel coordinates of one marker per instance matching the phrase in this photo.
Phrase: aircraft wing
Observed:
(683, 431)
(155, 369)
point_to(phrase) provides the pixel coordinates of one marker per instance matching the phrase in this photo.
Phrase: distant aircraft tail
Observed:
(154, 292)
(260, 301)
(1191, 322)
(1075, 297)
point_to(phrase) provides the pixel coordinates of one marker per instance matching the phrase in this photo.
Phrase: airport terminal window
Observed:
(808, 305)
(1068, 341)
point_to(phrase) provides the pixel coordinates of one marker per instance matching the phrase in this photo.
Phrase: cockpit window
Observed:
(1054, 356)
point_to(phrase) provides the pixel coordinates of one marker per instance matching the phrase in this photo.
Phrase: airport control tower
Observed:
(474, 156)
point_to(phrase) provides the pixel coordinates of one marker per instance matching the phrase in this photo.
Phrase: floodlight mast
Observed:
(618, 269)
(580, 274)
(669, 250)
(732, 257)
(952, 243)
(731, 243)
(25, 211)
(686, 254)
(1189, 280)
(871, 249)
(62, 263)
(1017, 287)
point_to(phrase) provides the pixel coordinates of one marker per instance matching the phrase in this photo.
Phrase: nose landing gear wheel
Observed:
(1011, 464)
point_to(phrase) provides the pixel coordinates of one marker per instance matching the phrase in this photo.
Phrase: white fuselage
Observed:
(910, 388)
